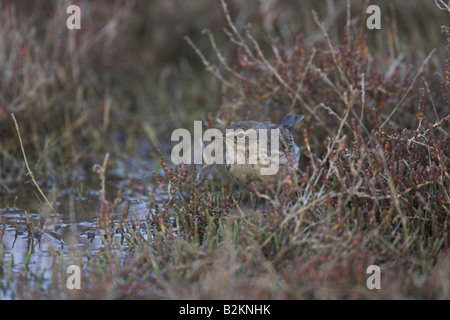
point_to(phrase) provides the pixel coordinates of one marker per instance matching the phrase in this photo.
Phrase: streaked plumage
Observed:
(247, 173)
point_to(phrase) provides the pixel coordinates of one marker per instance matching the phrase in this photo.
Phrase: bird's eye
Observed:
(241, 135)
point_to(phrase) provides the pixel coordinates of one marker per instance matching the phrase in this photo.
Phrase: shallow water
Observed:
(26, 229)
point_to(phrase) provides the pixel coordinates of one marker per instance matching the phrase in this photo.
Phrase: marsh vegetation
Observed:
(94, 109)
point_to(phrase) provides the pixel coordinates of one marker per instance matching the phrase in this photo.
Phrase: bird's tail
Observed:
(291, 120)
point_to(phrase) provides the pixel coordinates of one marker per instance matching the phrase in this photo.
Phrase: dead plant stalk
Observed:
(28, 166)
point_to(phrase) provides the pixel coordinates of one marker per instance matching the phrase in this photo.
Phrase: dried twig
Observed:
(221, 57)
(442, 5)
(241, 41)
(209, 67)
(28, 167)
(410, 87)
(100, 170)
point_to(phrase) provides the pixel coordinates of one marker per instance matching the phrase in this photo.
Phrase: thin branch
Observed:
(209, 67)
(363, 97)
(100, 170)
(331, 48)
(431, 98)
(28, 167)
(410, 87)
(241, 41)
(270, 67)
(444, 5)
(220, 56)
(300, 85)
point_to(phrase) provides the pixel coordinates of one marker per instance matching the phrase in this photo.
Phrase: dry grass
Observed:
(372, 186)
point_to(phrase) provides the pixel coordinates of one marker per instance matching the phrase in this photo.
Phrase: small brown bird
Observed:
(256, 151)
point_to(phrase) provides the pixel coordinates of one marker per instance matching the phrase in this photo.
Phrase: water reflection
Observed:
(37, 235)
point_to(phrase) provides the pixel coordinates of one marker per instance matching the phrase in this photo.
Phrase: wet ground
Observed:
(30, 235)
